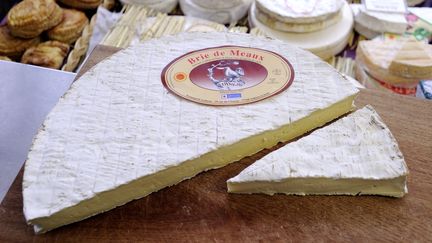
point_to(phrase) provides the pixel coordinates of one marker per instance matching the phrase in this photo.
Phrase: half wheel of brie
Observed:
(118, 134)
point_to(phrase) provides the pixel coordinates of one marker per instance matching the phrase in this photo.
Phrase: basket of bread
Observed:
(48, 33)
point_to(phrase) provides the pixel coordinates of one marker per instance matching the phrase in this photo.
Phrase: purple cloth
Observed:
(5, 5)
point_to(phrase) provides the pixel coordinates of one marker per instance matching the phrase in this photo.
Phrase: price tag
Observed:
(389, 6)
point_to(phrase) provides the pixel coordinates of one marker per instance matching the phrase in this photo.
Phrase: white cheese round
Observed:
(164, 6)
(297, 27)
(216, 11)
(381, 22)
(324, 43)
(218, 4)
(294, 11)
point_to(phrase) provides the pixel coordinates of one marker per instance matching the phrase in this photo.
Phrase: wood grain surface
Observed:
(200, 209)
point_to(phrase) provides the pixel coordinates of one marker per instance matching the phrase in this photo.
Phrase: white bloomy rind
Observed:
(355, 155)
(302, 12)
(164, 6)
(119, 135)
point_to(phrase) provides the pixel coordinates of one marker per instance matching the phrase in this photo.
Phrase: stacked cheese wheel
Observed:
(394, 65)
(322, 27)
(31, 21)
(164, 6)
(372, 23)
(221, 11)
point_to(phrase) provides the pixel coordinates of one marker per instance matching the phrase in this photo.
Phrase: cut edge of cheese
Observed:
(173, 175)
(413, 60)
(330, 186)
(378, 68)
(270, 175)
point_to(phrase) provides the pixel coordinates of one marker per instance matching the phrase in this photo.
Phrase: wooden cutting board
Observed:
(201, 210)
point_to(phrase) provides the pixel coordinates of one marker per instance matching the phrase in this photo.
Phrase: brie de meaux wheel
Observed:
(293, 11)
(164, 6)
(221, 11)
(356, 155)
(118, 134)
(333, 38)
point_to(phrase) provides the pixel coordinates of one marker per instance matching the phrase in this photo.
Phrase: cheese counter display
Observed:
(224, 121)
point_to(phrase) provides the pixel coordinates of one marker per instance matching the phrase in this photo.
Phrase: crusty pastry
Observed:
(81, 4)
(47, 54)
(30, 18)
(5, 58)
(12, 46)
(69, 30)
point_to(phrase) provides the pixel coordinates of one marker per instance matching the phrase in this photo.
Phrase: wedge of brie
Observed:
(403, 62)
(356, 155)
(118, 134)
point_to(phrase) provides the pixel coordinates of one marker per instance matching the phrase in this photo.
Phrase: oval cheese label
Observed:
(228, 75)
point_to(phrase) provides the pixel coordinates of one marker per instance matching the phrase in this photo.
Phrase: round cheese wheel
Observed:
(164, 6)
(294, 11)
(219, 4)
(324, 43)
(297, 27)
(215, 11)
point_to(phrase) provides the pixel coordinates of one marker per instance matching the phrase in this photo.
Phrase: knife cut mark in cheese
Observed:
(119, 135)
(356, 155)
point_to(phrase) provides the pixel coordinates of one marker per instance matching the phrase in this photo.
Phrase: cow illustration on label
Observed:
(231, 78)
